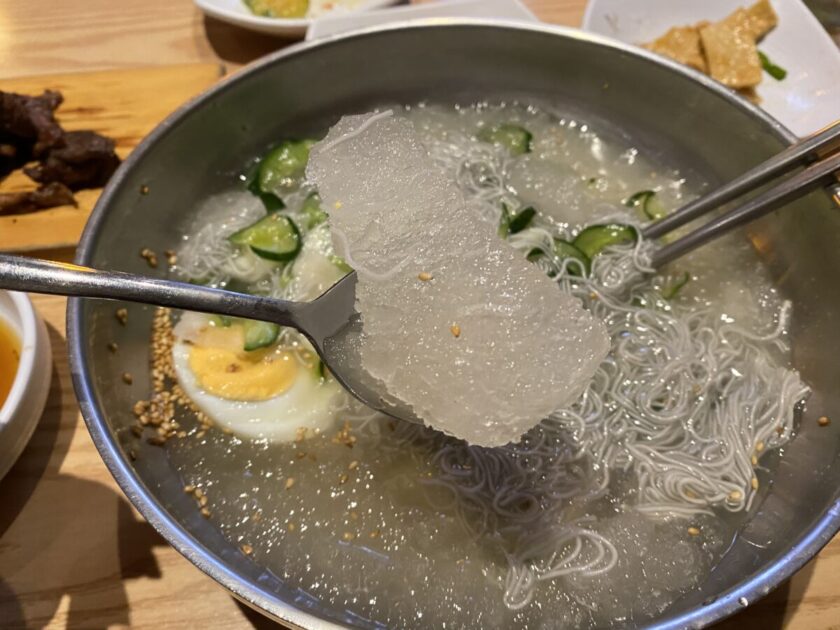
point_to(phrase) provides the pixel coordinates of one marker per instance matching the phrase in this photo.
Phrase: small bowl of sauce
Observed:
(9, 359)
(25, 373)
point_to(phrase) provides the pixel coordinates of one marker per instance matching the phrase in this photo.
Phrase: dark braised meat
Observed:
(28, 127)
(46, 196)
(85, 160)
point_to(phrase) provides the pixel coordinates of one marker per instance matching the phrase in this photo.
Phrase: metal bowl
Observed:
(670, 112)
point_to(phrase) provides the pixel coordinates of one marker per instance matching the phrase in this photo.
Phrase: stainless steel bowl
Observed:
(664, 109)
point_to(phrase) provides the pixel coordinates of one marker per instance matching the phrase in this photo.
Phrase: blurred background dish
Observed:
(807, 98)
(240, 13)
(500, 9)
(24, 350)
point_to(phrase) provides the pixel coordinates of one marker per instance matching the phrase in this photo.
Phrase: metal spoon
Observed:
(326, 321)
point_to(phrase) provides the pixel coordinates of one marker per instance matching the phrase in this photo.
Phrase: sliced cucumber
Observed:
(592, 240)
(259, 334)
(562, 251)
(272, 202)
(221, 321)
(565, 249)
(275, 237)
(674, 285)
(513, 223)
(521, 220)
(649, 204)
(513, 137)
(312, 212)
(283, 166)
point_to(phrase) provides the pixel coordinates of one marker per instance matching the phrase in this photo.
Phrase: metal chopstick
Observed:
(787, 190)
(797, 154)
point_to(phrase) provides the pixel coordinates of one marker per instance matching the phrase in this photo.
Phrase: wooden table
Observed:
(73, 552)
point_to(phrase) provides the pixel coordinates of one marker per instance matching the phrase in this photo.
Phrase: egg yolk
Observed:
(246, 376)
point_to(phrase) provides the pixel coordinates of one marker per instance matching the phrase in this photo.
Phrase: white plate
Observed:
(235, 12)
(806, 100)
(20, 413)
(504, 9)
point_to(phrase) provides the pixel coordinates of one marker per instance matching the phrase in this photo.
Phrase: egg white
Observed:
(308, 404)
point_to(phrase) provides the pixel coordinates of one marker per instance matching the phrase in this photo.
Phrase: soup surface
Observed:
(9, 359)
(601, 516)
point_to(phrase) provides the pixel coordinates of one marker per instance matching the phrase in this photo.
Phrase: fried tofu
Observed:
(724, 50)
(761, 19)
(730, 51)
(681, 43)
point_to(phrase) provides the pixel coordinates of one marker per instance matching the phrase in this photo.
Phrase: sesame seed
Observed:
(424, 276)
(205, 512)
(149, 256)
(290, 482)
(693, 531)
(455, 329)
(348, 536)
(291, 527)
(189, 489)
(122, 315)
(342, 478)
(375, 533)
(754, 460)
(823, 421)
(337, 205)
(759, 447)
(144, 189)
(198, 493)
(247, 549)
(203, 501)
(754, 483)
(353, 465)
(132, 454)
(735, 495)
(113, 347)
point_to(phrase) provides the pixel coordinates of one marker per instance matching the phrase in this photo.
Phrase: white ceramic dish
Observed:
(501, 9)
(806, 100)
(23, 407)
(235, 12)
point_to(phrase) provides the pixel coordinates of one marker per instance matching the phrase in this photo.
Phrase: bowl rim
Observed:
(27, 327)
(753, 587)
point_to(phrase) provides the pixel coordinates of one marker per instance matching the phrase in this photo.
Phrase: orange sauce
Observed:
(9, 359)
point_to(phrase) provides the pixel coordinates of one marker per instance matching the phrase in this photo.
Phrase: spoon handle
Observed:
(18, 273)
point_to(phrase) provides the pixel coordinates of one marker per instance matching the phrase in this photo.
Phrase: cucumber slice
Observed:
(259, 334)
(674, 285)
(272, 202)
(513, 223)
(312, 212)
(562, 251)
(565, 249)
(595, 238)
(513, 137)
(283, 166)
(521, 220)
(221, 321)
(649, 203)
(274, 237)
